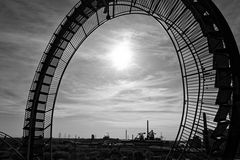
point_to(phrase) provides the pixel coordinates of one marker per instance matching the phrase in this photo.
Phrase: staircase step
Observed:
(36, 128)
(49, 75)
(222, 113)
(221, 61)
(46, 84)
(220, 129)
(41, 102)
(80, 10)
(49, 65)
(74, 20)
(37, 120)
(38, 111)
(58, 36)
(224, 96)
(88, 3)
(223, 78)
(54, 45)
(43, 93)
(214, 44)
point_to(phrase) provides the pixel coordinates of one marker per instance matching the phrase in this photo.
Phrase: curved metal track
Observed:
(208, 58)
(12, 144)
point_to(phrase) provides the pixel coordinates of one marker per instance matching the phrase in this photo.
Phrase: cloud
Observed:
(93, 91)
(230, 10)
(26, 27)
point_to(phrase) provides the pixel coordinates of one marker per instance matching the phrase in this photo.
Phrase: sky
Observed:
(97, 96)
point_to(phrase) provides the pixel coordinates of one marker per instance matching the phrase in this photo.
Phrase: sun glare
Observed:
(121, 56)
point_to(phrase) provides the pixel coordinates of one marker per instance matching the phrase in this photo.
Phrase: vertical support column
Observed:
(234, 129)
(147, 129)
(205, 133)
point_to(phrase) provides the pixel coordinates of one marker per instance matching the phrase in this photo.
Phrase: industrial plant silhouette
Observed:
(209, 62)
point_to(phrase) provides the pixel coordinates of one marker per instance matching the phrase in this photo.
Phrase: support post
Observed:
(205, 133)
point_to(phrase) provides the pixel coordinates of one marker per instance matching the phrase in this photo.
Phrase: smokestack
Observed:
(126, 134)
(147, 128)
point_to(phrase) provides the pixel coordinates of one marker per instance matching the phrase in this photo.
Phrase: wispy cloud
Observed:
(230, 10)
(26, 27)
(151, 89)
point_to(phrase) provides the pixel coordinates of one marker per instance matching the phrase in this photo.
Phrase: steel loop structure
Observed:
(208, 58)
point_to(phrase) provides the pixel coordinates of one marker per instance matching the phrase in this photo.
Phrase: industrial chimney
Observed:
(147, 129)
(126, 134)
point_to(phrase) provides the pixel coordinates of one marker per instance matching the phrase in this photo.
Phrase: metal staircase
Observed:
(208, 58)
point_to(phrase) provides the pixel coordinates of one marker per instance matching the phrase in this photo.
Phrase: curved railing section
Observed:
(208, 58)
(11, 146)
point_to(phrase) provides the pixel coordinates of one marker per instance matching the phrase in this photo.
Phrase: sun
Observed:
(121, 55)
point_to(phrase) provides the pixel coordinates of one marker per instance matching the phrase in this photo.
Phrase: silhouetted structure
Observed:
(126, 135)
(150, 135)
(140, 136)
(12, 145)
(208, 58)
(147, 129)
